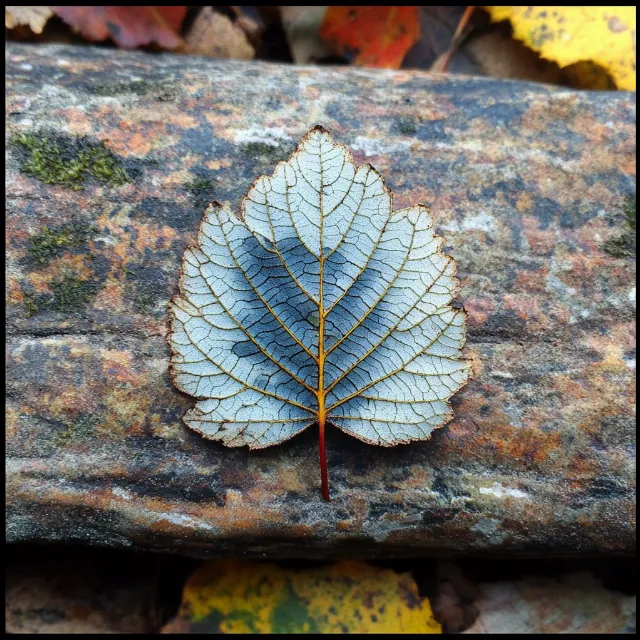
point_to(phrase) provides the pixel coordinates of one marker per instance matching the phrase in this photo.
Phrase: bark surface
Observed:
(112, 158)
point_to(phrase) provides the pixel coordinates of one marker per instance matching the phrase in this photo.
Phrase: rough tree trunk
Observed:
(111, 159)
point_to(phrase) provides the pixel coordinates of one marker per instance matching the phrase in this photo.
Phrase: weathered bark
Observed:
(533, 188)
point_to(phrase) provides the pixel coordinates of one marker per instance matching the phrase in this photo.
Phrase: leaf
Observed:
(319, 305)
(214, 34)
(129, 27)
(566, 35)
(34, 17)
(227, 596)
(380, 36)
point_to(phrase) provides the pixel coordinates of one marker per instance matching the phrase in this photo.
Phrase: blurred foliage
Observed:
(580, 47)
(129, 27)
(371, 36)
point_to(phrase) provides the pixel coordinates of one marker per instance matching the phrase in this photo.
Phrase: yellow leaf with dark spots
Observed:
(227, 596)
(603, 35)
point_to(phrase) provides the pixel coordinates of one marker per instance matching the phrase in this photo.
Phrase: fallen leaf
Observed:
(318, 305)
(129, 27)
(33, 17)
(376, 36)
(566, 35)
(228, 596)
(214, 34)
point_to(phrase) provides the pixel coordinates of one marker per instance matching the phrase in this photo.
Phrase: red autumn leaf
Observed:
(129, 27)
(380, 36)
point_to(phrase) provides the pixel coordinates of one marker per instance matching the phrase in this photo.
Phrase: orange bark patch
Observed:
(479, 309)
(527, 308)
(541, 242)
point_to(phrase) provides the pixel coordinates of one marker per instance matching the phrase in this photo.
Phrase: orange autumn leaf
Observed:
(129, 27)
(379, 36)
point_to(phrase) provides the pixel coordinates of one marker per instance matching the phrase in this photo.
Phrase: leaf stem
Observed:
(442, 62)
(323, 463)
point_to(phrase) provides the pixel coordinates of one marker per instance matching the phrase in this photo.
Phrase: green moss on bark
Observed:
(53, 241)
(71, 293)
(68, 162)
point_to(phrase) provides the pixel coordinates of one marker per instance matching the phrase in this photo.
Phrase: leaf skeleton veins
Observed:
(319, 304)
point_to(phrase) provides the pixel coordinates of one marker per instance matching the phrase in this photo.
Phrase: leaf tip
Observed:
(320, 129)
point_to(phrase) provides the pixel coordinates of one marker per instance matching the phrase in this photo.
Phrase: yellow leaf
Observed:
(604, 35)
(227, 596)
